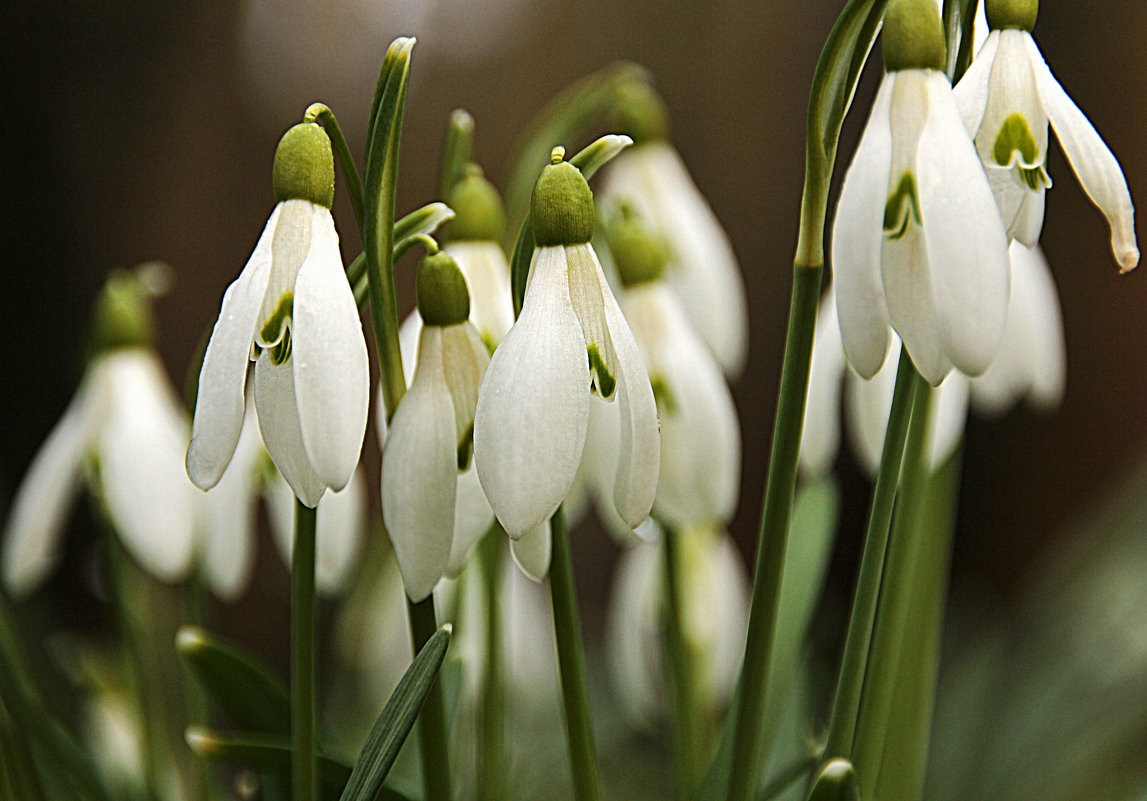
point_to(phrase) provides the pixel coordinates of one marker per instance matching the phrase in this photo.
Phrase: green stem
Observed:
(457, 150)
(895, 599)
(318, 112)
(492, 784)
(773, 539)
(571, 665)
(432, 719)
(304, 774)
(846, 702)
(690, 754)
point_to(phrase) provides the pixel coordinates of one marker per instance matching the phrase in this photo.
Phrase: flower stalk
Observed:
(321, 114)
(304, 771)
(691, 751)
(492, 785)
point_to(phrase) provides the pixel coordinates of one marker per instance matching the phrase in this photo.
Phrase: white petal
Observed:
(1050, 369)
(1098, 172)
(971, 92)
(599, 468)
(639, 440)
(220, 402)
(280, 502)
(279, 424)
(45, 496)
(339, 535)
(949, 415)
(587, 284)
(820, 433)
(289, 248)
(149, 498)
(967, 245)
(532, 552)
(408, 335)
(857, 237)
(533, 406)
(1028, 224)
(473, 517)
(332, 377)
(632, 633)
(487, 274)
(229, 551)
(867, 403)
(420, 473)
(464, 361)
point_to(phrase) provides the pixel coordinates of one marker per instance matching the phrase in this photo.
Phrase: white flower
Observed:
(1032, 358)
(703, 270)
(123, 434)
(917, 241)
(487, 273)
(1006, 99)
(291, 311)
(533, 407)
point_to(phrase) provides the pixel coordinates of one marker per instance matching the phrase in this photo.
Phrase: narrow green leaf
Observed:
(395, 722)
(242, 689)
(601, 152)
(457, 150)
(423, 221)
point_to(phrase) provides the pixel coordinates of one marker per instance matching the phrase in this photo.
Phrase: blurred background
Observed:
(145, 130)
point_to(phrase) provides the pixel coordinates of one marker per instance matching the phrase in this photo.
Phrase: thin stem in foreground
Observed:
(317, 112)
(571, 665)
(492, 784)
(689, 748)
(304, 773)
(432, 719)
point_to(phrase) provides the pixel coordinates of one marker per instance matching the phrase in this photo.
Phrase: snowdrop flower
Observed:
(291, 311)
(1006, 99)
(430, 439)
(715, 603)
(123, 435)
(703, 269)
(533, 407)
(1032, 359)
(917, 241)
(700, 437)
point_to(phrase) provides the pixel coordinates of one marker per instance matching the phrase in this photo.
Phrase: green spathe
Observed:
(442, 295)
(561, 207)
(304, 166)
(1018, 14)
(913, 36)
(477, 208)
(123, 317)
(638, 254)
(639, 112)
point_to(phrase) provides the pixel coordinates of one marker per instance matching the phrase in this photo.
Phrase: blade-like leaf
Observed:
(242, 689)
(396, 721)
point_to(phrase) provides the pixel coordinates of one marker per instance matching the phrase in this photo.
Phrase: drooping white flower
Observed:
(533, 407)
(427, 486)
(918, 244)
(122, 434)
(1006, 100)
(291, 311)
(703, 269)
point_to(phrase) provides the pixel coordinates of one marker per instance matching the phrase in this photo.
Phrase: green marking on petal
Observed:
(604, 382)
(466, 449)
(663, 397)
(281, 350)
(902, 208)
(1015, 137)
(1035, 178)
(276, 326)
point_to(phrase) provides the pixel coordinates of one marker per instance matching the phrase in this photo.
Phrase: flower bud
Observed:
(123, 317)
(442, 295)
(1004, 14)
(913, 36)
(639, 112)
(562, 204)
(638, 254)
(478, 214)
(304, 166)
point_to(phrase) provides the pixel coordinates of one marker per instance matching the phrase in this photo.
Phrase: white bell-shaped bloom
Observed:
(714, 591)
(123, 434)
(533, 407)
(1006, 99)
(487, 273)
(1032, 362)
(703, 270)
(917, 241)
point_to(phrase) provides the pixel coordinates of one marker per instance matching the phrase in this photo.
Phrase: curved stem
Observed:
(318, 112)
(304, 774)
(432, 719)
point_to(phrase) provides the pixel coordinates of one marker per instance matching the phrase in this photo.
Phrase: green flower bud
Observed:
(638, 254)
(1019, 14)
(123, 317)
(639, 112)
(304, 166)
(562, 204)
(913, 36)
(477, 208)
(443, 298)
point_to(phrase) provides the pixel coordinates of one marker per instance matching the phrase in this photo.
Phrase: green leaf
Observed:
(457, 150)
(394, 724)
(835, 782)
(420, 222)
(242, 689)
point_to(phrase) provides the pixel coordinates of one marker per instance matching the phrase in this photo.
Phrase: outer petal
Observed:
(149, 498)
(229, 548)
(1028, 224)
(1098, 172)
(867, 403)
(639, 441)
(279, 424)
(408, 335)
(472, 519)
(967, 245)
(45, 495)
(1049, 373)
(533, 405)
(332, 377)
(339, 535)
(949, 417)
(532, 552)
(632, 626)
(221, 397)
(420, 473)
(857, 237)
(971, 92)
(820, 434)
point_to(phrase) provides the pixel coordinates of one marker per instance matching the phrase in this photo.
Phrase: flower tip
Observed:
(1128, 260)
(189, 639)
(448, 628)
(200, 469)
(199, 740)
